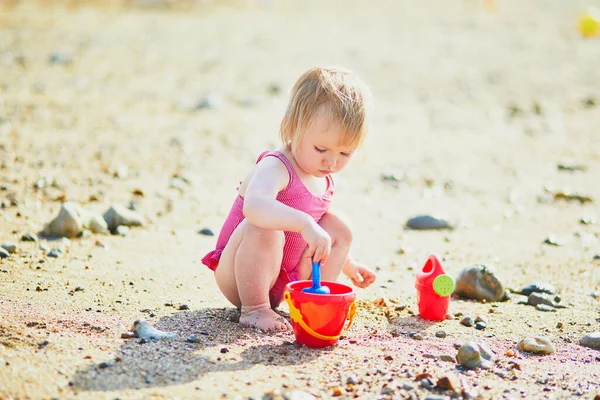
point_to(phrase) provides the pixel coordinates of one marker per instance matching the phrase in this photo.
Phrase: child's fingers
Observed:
(321, 255)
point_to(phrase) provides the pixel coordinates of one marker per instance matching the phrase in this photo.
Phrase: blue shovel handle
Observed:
(316, 281)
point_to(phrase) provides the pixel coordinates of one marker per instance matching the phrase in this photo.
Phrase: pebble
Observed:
(60, 58)
(538, 287)
(436, 397)
(537, 345)
(473, 355)
(72, 219)
(118, 215)
(122, 230)
(591, 340)
(479, 282)
(570, 165)
(448, 382)
(67, 223)
(589, 220)
(55, 253)
(535, 299)
(440, 334)
(467, 321)
(447, 358)
(29, 237)
(427, 222)
(95, 223)
(209, 102)
(4, 253)
(10, 247)
(206, 232)
(554, 240)
(184, 307)
(480, 325)
(427, 384)
(352, 380)
(545, 308)
(144, 330)
(193, 339)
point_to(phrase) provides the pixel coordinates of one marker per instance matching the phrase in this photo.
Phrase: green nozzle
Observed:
(443, 285)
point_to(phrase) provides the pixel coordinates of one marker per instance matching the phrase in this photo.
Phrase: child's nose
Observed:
(330, 161)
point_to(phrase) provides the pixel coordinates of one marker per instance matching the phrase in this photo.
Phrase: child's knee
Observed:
(340, 232)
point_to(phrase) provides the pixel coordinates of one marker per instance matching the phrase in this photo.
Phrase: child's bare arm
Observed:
(262, 209)
(260, 205)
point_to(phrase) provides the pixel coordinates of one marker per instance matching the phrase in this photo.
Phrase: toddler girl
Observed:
(281, 219)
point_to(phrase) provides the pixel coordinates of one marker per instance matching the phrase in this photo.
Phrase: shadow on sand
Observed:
(176, 361)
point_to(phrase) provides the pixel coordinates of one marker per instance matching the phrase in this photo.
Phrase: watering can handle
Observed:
(296, 316)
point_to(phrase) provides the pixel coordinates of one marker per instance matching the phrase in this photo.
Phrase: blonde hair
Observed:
(343, 97)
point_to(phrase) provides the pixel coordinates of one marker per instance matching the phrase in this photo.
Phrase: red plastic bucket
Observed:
(318, 319)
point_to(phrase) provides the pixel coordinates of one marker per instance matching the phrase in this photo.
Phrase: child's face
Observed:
(319, 152)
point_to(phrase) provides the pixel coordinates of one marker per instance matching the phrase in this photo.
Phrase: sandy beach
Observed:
(486, 114)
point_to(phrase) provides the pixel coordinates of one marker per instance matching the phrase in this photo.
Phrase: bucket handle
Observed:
(296, 316)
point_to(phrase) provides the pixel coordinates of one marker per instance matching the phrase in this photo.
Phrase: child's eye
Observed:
(319, 150)
(346, 154)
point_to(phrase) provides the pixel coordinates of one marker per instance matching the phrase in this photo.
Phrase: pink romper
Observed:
(295, 195)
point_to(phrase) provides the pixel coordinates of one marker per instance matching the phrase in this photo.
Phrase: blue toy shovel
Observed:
(316, 287)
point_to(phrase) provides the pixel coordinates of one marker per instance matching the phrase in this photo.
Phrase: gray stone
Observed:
(119, 215)
(473, 355)
(95, 223)
(29, 237)
(10, 247)
(426, 222)
(479, 282)
(4, 253)
(536, 299)
(55, 253)
(537, 345)
(447, 358)
(144, 330)
(67, 223)
(591, 340)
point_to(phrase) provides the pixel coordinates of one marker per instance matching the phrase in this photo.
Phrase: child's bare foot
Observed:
(263, 318)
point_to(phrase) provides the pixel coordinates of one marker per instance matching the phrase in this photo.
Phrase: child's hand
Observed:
(318, 240)
(360, 275)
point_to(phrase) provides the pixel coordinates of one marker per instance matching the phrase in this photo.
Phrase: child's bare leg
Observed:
(341, 239)
(247, 270)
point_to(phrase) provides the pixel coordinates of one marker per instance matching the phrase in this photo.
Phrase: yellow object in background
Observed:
(589, 23)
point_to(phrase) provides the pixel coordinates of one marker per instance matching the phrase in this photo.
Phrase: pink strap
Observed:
(285, 162)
